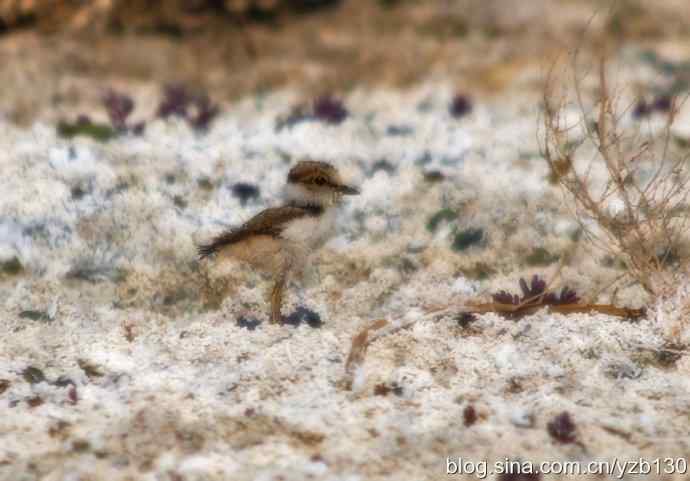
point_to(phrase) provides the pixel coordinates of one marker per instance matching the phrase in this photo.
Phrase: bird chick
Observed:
(279, 240)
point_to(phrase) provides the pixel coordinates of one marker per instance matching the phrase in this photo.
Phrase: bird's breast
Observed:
(311, 231)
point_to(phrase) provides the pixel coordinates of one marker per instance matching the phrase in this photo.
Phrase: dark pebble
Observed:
(11, 267)
(78, 192)
(249, 324)
(383, 165)
(63, 381)
(245, 192)
(33, 375)
(433, 176)
(35, 316)
(467, 238)
(303, 314)
(399, 130)
(562, 428)
(465, 319)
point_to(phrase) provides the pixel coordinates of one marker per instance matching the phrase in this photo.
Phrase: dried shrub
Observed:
(636, 208)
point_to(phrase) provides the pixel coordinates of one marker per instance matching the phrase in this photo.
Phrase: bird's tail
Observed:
(217, 243)
(206, 250)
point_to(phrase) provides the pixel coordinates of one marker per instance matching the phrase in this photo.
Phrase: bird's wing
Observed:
(269, 222)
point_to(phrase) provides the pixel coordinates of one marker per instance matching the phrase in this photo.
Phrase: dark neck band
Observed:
(313, 209)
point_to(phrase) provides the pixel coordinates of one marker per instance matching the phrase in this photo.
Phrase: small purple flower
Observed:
(118, 106)
(531, 294)
(567, 296)
(175, 101)
(460, 106)
(662, 103)
(642, 109)
(197, 110)
(536, 288)
(205, 112)
(505, 297)
(330, 110)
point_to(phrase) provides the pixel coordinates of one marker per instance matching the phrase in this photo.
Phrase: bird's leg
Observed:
(308, 276)
(311, 275)
(298, 288)
(277, 295)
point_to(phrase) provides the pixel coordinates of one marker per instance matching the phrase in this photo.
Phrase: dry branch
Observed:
(360, 343)
(523, 310)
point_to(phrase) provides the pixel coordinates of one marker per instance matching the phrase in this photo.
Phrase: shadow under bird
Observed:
(279, 240)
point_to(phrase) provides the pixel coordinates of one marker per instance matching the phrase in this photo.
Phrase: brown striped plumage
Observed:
(270, 222)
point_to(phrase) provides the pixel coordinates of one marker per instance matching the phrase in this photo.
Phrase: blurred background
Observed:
(58, 56)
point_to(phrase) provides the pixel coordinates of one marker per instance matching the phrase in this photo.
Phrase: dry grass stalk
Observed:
(360, 343)
(640, 213)
(527, 309)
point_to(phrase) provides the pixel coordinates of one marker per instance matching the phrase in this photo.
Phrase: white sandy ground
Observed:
(166, 386)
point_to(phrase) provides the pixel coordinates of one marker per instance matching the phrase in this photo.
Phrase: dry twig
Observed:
(360, 343)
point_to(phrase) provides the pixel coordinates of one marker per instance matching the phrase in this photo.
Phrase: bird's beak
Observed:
(348, 190)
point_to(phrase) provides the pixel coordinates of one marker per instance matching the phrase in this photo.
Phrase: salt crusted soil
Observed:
(123, 357)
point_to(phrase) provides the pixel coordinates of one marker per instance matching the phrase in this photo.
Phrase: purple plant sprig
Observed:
(535, 293)
(197, 109)
(119, 106)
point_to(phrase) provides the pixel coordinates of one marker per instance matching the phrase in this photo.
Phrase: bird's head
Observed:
(319, 183)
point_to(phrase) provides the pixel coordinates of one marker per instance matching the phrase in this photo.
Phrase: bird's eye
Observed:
(320, 181)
